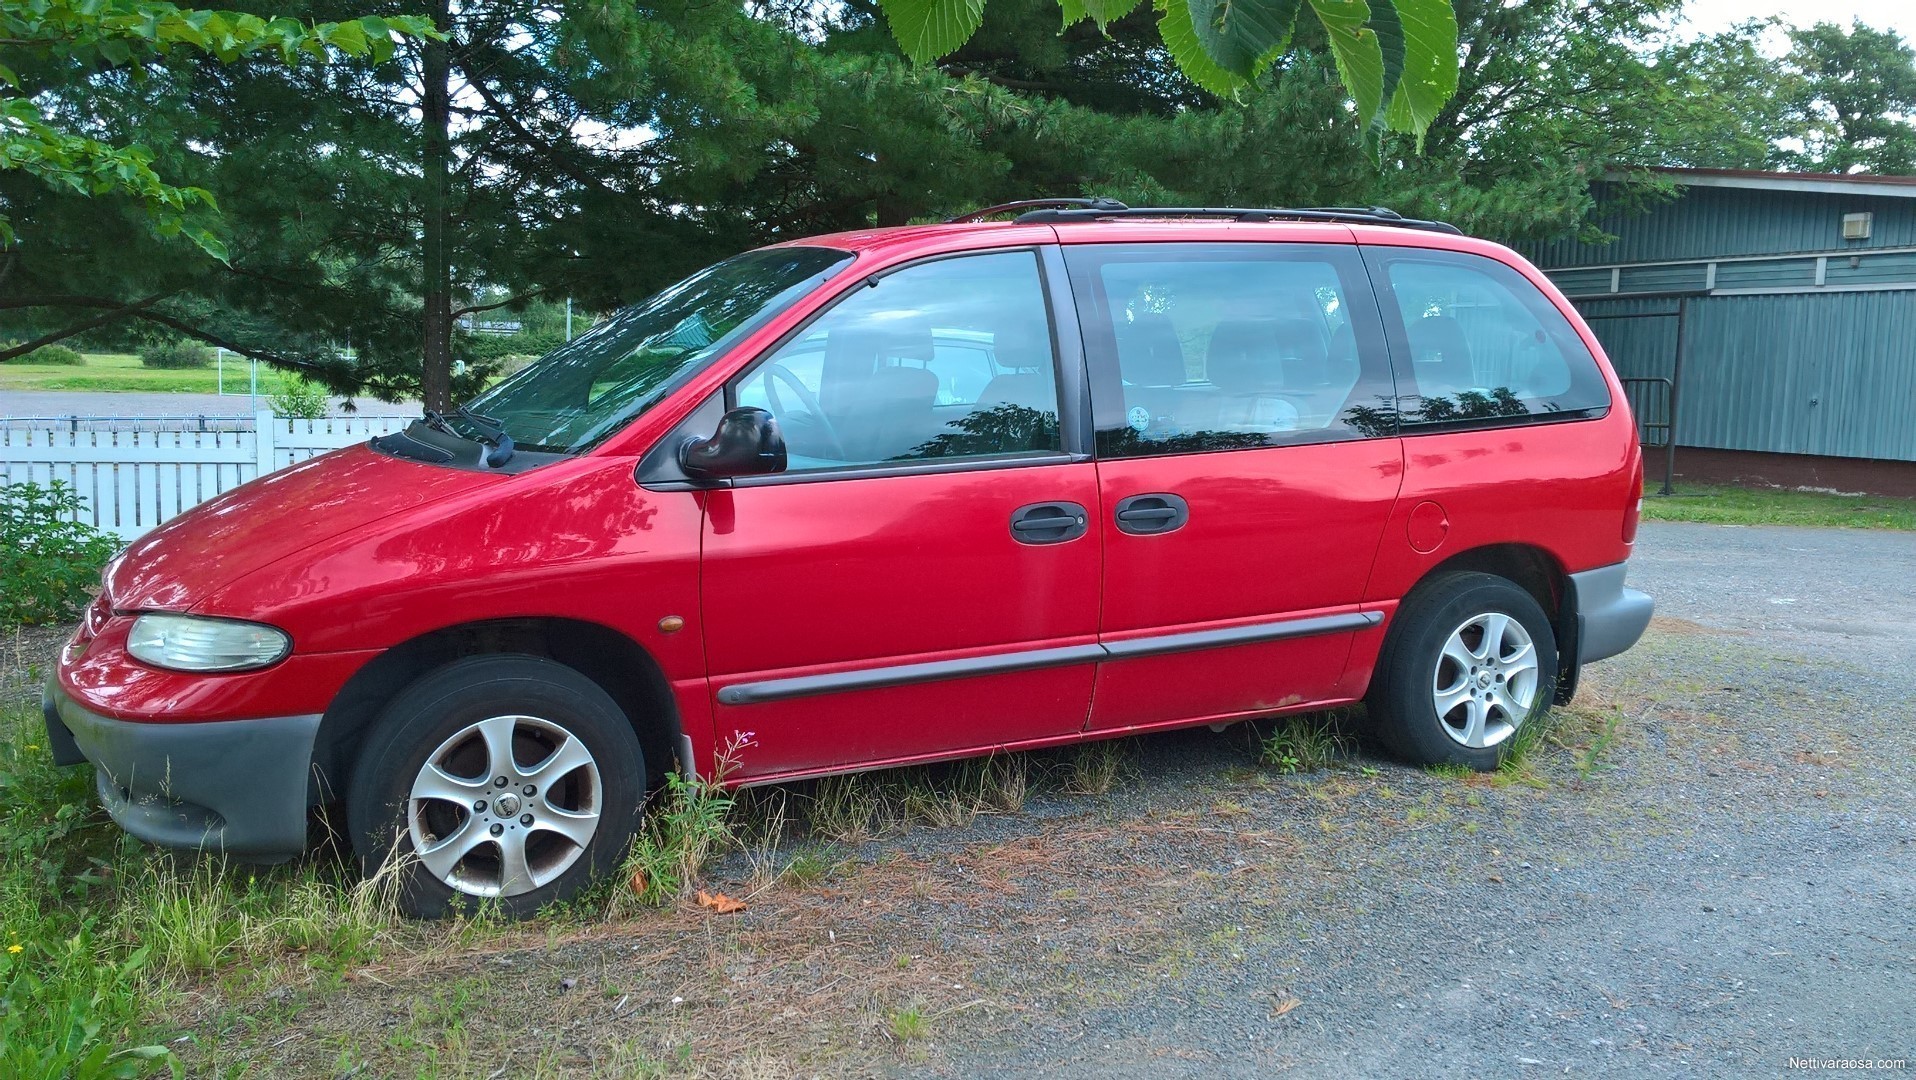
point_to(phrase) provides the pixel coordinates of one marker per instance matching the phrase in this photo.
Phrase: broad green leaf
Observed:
(1359, 57)
(928, 29)
(347, 37)
(1180, 38)
(1430, 65)
(1102, 12)
(1243, 36)
(1390, 42)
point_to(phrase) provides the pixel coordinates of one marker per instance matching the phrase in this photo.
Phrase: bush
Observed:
(174, 355)
(54, 354)
(301, 398)
(49, 562)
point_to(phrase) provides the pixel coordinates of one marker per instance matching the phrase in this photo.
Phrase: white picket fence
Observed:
(133, 479)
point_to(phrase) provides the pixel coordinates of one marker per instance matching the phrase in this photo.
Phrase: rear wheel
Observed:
(510, 779)
(1470, 660)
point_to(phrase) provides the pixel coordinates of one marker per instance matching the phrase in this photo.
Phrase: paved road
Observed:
(75, 403)
(1844, 594)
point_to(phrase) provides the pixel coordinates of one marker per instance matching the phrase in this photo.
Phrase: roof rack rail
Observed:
(1098, 204)
(1376, 215)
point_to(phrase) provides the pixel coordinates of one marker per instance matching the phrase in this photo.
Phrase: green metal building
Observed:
(1780, 307)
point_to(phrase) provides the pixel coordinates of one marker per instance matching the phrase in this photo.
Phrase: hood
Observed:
(179, 564)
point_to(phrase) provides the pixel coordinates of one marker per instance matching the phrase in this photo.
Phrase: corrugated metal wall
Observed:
(1715, 222)
(1826, 373)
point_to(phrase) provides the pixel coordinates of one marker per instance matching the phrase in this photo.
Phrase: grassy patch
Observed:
(1775, 506)
(1303, 743)
(101, 932)
(124, 372)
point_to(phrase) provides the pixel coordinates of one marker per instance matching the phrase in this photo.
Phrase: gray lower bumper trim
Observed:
(1610, 617)
(237, 786)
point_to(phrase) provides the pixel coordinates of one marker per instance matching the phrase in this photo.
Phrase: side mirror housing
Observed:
(747, 443)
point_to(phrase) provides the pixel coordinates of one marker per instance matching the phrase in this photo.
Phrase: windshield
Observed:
(593, 385)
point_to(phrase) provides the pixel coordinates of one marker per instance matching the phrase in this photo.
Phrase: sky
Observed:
(1898, 15)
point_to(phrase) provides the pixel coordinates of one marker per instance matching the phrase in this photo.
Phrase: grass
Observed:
(1305, 742)
(908, 1023)
(98, 928)
(1728, 505)
(115, 372)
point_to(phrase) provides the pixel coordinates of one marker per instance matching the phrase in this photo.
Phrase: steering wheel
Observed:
(779, 373)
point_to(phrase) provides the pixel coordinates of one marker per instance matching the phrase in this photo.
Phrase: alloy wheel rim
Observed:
(1486, 680)
(486, 823)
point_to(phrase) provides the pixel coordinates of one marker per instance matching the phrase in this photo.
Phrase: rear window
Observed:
(1476, 342)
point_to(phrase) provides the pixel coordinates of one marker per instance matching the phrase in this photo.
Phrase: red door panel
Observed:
(863, 575)
(1274, 534)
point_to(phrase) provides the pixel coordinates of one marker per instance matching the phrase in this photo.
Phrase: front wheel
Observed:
(1470, 660)
(510, 779)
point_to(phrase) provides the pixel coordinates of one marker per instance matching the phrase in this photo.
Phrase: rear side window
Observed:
(1227, 346)
(1475, 342)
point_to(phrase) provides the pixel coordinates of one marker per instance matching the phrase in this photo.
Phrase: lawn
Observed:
(1728, 505)
(123, 371)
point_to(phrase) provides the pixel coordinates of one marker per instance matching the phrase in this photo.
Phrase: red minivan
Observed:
(885, 497)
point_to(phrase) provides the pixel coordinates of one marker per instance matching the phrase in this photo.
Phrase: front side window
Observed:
(598, 382)
(1478, 343)
(1225, 346)
(950, 358)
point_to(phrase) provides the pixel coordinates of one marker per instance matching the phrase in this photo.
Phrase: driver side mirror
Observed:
(747, 443)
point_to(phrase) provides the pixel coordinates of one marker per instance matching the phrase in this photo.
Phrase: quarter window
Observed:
(951, 358)
(1222, 346)
(1478, 342)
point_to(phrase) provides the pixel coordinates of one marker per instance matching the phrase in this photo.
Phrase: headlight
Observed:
(192, 643)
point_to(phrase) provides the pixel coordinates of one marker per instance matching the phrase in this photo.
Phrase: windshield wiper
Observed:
(492, 433)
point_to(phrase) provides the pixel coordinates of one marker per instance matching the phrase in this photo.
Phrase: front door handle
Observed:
(1048, 522)
(1148, 515)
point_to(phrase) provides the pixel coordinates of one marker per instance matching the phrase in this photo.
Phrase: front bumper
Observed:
(1610, 617)
(237, 786)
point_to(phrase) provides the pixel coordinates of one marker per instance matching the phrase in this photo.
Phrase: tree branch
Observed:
(475, 308)
(81, 327)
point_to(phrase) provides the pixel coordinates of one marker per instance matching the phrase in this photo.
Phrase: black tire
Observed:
(554, 701)
(1403, 693)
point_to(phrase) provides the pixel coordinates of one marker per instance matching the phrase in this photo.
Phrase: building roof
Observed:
(1821, 183)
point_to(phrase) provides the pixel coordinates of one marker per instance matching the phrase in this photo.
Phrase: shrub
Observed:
(301, 398)
(54, 354)
(174, 355)
(48, 561)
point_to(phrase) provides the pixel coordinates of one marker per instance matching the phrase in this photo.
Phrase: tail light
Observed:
(1635, 513)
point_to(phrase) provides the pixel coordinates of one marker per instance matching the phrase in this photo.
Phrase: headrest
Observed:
(1022, 343)
(1242, 358)
(862, 345)
(1148, 351)
(1438, 339)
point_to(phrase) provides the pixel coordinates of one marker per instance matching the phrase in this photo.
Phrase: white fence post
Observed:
(263, 432)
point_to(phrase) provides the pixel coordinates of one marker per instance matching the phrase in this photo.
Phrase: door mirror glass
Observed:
(747, 443)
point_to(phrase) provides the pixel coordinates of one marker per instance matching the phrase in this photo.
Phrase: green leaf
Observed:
(1244, 36)
(1430, 65)
(347, 37)
(929, 29)
(1355, 48)
(1102, 12)
(1180, 38)
(1398, 59)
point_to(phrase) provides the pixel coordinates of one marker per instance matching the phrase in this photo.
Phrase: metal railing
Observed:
(1651, 402)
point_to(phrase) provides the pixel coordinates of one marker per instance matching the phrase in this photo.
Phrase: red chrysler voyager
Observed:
(886, 497)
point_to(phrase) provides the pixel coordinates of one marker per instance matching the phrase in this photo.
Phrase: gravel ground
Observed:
(1708, 870)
